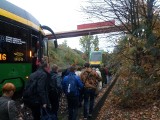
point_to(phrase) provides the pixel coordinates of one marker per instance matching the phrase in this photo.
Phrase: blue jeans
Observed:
(89, 97)
(73, 103)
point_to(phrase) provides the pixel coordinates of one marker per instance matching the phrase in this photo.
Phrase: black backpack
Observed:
(30, 95)
(53, 84)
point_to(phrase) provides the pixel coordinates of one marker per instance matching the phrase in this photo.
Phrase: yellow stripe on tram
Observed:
(18, 19)
(95, 62)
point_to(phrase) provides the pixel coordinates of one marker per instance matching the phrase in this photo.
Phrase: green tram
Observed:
(21, 37)
(96, 58)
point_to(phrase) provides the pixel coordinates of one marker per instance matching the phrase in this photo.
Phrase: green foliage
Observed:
(138, 72)
(136, 58)
(89, 43)
(64, 56)
(64, 43)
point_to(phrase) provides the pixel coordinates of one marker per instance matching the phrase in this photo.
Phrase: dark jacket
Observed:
(56, 79)
(41, 77)
(6, 113)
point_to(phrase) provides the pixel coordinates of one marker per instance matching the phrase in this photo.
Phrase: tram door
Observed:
(35, 52)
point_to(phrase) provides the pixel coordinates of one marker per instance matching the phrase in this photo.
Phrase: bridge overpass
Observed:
(84, 32)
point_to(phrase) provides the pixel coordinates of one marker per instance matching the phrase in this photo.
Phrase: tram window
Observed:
(45, 47)
(35, 44)
(13, 42)
(96, 56)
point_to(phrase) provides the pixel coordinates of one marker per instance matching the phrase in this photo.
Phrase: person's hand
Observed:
(20, 118)
(44, 105)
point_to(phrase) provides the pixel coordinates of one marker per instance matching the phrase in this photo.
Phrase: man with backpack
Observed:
(90, 79)
(35, 93)
(55, 89)
(71, 85)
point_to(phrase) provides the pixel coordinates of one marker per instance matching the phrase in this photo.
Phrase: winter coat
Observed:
(8, 112)
(56, 79)
(42, 81)
(90, 78)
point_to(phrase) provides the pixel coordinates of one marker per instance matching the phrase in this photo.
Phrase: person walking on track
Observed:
(90, 80)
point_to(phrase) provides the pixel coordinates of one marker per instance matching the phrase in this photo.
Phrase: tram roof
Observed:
(13, 9)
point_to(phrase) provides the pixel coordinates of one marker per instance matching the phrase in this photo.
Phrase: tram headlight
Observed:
(27, 77)
(30, 53)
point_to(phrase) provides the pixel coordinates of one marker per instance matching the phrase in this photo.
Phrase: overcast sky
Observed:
(60, 15)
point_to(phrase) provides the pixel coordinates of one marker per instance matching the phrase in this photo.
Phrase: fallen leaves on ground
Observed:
(111, 112)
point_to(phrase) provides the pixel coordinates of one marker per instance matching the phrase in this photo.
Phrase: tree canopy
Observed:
(138, 52)
(89, 43)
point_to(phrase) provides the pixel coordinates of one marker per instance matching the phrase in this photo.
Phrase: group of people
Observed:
(48, 90)
(88, 83)
(79, 86)
(43, 94)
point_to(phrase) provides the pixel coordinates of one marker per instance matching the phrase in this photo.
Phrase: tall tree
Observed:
(64, 43)
(96, 42)
(89, 43)
(138, 51)
(130, 13)
(136, 16)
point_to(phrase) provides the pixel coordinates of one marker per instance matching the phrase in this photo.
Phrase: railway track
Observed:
(101, 100)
